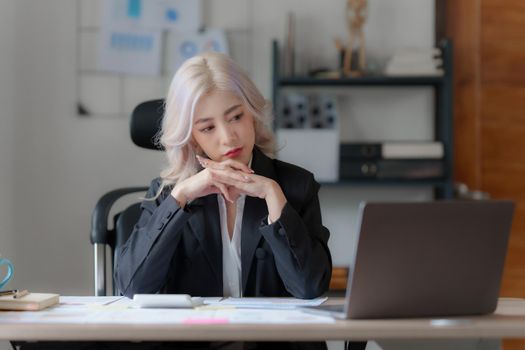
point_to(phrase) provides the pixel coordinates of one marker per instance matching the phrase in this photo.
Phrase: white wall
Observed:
(6, 126)
(7, 107)
(64, 163)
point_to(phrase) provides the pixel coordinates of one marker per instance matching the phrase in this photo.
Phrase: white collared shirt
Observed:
(231, 249)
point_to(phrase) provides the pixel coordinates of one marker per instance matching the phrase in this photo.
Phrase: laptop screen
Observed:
(428, 259)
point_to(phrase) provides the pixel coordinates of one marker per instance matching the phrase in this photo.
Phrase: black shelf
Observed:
(361, 81)
(443, 118)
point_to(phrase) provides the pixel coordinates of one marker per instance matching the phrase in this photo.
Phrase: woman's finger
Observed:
(204, 162)
(224, 165)
(224, 190)
(230, 177)
(235, 164)
(256, 188)
(235, 192)
(207, 163)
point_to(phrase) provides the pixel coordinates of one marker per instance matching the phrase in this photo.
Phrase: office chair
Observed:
(145, 123)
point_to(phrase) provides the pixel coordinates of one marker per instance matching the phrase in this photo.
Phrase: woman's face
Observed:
(223, 128)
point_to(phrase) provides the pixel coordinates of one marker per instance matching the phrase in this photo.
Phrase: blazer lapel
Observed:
(255, 210)
(206, 227)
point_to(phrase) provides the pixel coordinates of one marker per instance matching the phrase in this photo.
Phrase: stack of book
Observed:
(392, 161)
(415, 62)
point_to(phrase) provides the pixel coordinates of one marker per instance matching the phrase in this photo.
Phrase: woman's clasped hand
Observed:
(229, 177)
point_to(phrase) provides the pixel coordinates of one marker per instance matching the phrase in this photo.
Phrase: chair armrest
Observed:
(99, 219)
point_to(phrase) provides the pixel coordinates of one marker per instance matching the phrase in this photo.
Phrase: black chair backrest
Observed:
(145, 124)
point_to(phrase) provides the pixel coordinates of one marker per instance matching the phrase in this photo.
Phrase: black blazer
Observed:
(174, 250)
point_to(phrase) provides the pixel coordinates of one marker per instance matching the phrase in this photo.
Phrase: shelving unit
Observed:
(443, 114)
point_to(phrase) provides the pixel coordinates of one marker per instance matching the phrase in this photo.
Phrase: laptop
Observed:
(427, 259)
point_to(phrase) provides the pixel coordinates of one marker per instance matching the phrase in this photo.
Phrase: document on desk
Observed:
(207, 316)
(119, 311)
(88, 300)
(268, 303)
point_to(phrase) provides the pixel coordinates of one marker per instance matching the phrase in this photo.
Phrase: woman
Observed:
(225, 219)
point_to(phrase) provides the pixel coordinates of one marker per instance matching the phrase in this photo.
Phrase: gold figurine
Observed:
(356, 14)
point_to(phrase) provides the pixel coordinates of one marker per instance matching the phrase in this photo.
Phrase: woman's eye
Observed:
(237, 117)
(207, 129)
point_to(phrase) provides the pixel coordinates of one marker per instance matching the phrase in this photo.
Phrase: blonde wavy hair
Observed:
(197, 77)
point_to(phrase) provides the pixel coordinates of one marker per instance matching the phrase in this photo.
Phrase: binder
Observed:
(29, 302)
(393, 150)
(360, 150)
(392, 169)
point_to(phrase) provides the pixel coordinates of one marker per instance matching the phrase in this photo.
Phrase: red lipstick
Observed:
(234, 152)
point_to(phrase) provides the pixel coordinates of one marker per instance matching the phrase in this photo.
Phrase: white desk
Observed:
(507, 322)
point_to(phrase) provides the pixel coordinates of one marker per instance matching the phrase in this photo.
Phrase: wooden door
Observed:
(489, 42)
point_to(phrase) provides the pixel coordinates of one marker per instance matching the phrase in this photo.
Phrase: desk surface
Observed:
(507, 322)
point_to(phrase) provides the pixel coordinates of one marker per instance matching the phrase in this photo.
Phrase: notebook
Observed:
(426, 260)
(29, 302)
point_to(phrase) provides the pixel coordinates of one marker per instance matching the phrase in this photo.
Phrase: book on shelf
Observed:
(29, 302)
(392, 150)
(411, 62)
(412, 150)
(414, 72)
(388, 169)
(415, 62)
(417, 53)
